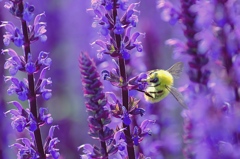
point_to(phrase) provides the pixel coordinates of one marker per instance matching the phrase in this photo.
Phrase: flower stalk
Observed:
(31, 85)
(125, 96)
(31, 118)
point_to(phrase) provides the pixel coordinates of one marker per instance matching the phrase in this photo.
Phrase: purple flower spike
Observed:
(29, 119)
(99, 115)
(169, 14)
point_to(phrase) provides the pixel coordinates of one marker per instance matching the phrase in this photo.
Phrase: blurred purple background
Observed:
(69, 31)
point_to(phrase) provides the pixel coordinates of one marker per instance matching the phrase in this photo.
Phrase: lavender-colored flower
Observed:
(13, 34)
(117, 25)
(120, 145)
(46, 118)
(38, 30)
(28, 12)
(26, 149)
(14, 63)
(140, 132)
(125, 117)
(42, 83)
(43, 59)
(30, 66)
(21, 118)
(51, 143)
(18, 87)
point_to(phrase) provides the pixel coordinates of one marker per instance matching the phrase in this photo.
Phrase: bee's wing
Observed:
(178, 96)
(176, 69)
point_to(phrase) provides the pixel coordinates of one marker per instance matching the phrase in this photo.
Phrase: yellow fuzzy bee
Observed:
(160, 84)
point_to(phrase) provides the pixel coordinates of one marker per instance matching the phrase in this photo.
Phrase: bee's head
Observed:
(153, 78)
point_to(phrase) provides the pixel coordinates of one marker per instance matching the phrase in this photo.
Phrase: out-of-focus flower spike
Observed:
(180, 48)
(8, 5)
(170, 13)
(144, 125)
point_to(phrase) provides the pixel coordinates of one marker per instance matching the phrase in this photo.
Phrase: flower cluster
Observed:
(211, 30)
(27, 89)
(115, 20)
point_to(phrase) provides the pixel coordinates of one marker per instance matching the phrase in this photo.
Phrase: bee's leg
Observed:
(149, 95)
(157, 94)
